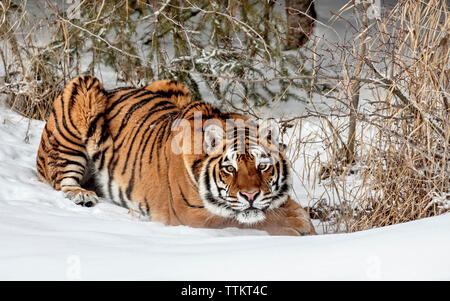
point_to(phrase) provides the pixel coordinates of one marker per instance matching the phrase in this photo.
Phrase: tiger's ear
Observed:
(268, 130)
(213, 135)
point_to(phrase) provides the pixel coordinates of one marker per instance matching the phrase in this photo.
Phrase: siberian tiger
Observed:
(178, 161)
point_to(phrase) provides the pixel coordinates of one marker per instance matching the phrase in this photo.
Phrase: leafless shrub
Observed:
(232, 50)
(401, 130)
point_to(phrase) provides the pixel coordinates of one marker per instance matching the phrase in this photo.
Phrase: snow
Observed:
(44, 236)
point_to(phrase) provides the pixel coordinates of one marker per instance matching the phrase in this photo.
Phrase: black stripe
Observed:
(41, 159)
(75, 154)
(221, 178)
(64, 118)
(69, 162)
(58, 144)
(114, 91)
(40, 166)
(187, 202)
(93, 125)
(95, 81)
(105, 132)
(285, 168)
(138, 105)
(96, 156)
(130, 112)
(130, 186)
(110, 180)
(102, 161)
(135, 135)
(169, 93)
(62, 135)
(124, 97)
(160, 139)
(207, 180)
(144, 147)
(189, 109)
(277, 167)
(111, 167)
(196, 169)
(144, 209)
(74, 171)
(215, 177)
(71, 103)
(157, 133)
(122, 200)
(170, 193)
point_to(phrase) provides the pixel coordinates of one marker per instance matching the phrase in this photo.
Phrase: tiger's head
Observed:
(245, 172)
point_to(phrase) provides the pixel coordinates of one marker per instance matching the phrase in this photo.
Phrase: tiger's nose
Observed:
(250, 195)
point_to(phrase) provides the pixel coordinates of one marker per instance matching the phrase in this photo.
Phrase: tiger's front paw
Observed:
(294, 222)
(298, 226)
(292, 226)
(83, 197)
(301, 222)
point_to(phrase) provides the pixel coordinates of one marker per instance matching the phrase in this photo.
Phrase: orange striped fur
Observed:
(124, 139)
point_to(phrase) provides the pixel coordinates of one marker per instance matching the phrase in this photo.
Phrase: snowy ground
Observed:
(43, 236)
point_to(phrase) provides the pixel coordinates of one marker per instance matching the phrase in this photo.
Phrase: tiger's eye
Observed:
(262, 166)
(229, 169)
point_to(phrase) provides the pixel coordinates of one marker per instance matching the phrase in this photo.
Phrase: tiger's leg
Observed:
(69, 137)
(290, 219)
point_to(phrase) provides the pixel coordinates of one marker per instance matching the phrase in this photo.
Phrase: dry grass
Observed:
(30, 80)
(407, 164)
(401, 170)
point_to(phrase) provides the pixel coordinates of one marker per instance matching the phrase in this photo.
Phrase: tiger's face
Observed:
(245, 180)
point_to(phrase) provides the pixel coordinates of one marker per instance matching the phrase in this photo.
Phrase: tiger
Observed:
(161, 154)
